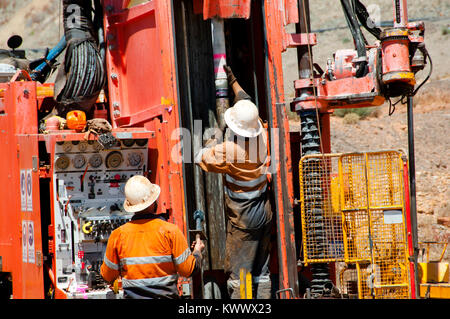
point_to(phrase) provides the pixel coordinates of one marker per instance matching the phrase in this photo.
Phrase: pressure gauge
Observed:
(67, 146)
(98, 146)
(141, 142)
(128, 142)
(95, 160)
(79, 161)
(134, 158)
(114, 159)
(82, 147)
(62, 162)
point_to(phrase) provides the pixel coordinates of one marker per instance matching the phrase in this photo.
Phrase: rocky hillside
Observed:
(37, 21)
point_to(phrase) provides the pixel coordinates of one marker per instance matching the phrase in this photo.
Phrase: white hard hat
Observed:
(243, 119)
(140, 193)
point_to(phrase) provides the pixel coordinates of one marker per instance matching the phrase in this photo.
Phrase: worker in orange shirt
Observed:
(243, 159)
(148, 252)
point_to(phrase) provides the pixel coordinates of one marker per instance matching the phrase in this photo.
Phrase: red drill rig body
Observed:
(161, 73)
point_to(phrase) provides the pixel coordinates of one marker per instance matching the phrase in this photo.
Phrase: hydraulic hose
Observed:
(360, 42)
(41, 72)
(364, 18)
(82, 75)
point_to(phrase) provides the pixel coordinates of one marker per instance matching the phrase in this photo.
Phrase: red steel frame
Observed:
(143, 90)
(409, 228)
(130, 60)
(18, 123)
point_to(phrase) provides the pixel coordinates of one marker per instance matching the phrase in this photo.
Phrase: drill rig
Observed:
(365, 76)
(163, 68)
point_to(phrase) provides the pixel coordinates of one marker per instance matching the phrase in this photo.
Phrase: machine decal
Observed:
(29, 191)
(24, 241)
(30, 242)
(23, 190)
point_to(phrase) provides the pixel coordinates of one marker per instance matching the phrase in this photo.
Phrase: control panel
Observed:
(88, 193)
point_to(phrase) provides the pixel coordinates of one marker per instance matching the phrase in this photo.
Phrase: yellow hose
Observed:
(85, 228)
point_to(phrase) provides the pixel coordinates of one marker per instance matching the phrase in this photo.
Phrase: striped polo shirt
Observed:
(149, 255)
(244, 165)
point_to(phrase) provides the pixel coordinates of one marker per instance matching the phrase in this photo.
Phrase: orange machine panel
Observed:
(20, 227)
(141, 72)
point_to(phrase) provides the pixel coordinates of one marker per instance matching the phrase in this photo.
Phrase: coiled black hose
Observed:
(82, 75)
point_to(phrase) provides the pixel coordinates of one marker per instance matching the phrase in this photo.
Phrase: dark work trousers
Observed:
(248, 249)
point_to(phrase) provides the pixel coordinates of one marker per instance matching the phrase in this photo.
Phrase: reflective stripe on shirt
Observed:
(182, 258)
(110, 264)
(245, 195)
(150, 282)
(146, 260)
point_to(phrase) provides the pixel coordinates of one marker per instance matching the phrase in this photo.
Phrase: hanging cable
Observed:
(403, 99)
(364, 18)
(360, 42)
(429, 73)
(82, 75)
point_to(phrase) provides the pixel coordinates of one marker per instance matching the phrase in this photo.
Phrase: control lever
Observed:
(107, 140)
(199, 234)
(91, 194)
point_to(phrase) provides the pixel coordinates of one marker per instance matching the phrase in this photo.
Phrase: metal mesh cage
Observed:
(374, 226)
(352, 211)
(348, 279)
(385, 180)
(321, 218)
(353, 181)
(356, 230)
(373, 282)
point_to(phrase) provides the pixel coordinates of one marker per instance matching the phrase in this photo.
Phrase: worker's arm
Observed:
(213, 158)
(197, 248)
(186, 263)
(110, 268)
(239, 93)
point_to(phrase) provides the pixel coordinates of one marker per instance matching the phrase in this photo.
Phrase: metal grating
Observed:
(385, 174)
(374, 225)
(356, 232)
(321, 217)
(353, 211)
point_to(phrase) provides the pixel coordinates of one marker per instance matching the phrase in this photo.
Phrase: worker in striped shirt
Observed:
(243, 160)
(148, 252)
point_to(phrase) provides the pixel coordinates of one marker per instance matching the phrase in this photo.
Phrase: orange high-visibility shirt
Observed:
(148, 254)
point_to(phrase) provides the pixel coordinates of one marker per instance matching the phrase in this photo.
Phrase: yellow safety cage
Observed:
(353, 212)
